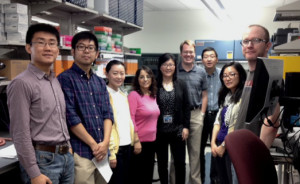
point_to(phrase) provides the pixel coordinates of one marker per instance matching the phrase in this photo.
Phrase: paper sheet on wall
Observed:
(8, 152)
(104, 168)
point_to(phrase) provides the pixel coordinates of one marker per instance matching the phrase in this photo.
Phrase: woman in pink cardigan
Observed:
(144, 114)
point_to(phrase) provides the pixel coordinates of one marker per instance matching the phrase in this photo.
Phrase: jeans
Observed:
(58, 168)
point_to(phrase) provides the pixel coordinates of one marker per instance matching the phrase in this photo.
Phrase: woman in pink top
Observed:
(144, 114)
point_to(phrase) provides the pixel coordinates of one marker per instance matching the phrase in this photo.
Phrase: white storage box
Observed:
(1, 18)
(2, 27)
(15, 27)
(102, 6)
(16, 18)
(5, 2)
(2, 36)
(16, 8)
(16, 37)
(91, 4)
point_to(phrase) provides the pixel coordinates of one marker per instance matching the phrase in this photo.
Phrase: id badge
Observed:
(168, 119)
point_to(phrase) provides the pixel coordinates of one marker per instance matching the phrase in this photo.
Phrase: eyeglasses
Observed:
(43, 44)
(188, 52)
(167, 65)
(90, 48)
(230, 76)
(209, 56)
(254, 41)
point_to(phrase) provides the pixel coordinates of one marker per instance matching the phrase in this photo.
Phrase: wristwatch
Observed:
(223, 144)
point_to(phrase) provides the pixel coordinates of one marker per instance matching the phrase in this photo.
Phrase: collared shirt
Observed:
(87, 102)
(214, 85)
(195, 80)
(37, 114)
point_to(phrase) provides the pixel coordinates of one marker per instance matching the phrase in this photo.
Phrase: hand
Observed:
(41, 179)
(220, 151)
(113, 163)
(185, 134)
(137, 148)
(101, 151)
(202, 115)
(214, 148)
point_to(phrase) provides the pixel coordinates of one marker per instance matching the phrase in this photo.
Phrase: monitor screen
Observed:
(265, 89)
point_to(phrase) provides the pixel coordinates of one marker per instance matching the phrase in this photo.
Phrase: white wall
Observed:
(164, 31)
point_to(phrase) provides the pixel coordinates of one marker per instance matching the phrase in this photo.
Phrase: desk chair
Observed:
(251, 158)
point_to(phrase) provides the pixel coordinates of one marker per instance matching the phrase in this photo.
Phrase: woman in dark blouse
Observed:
(174, 120)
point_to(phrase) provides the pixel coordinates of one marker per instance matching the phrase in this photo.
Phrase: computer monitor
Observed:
(265, 89)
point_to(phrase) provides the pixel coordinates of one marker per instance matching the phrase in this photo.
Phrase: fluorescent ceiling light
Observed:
(216, 8)
(79, 29)
(40, 20)
(192, 4)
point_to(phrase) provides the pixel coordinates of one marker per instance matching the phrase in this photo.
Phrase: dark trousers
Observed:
(143, 164)
(177, 146)
(121, 172)
(223, 166)
(207, 132)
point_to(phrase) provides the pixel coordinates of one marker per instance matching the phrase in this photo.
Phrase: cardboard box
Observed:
(58, 66)
(13, 68)
(67, 62)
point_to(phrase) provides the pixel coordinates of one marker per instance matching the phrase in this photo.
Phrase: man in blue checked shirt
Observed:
(89, 114)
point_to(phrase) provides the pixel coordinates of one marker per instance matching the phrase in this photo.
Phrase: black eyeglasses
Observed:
(254, 41)
(90, 48)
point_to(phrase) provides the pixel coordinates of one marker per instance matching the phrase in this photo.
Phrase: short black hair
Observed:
(41, 27)
(161, 60)
(84, 35)
(112, 63)
(209, 49)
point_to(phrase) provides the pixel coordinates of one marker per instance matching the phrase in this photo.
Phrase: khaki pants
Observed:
(86, 172)
(193, 145)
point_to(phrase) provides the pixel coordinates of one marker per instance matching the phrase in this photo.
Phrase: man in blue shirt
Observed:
(210, 60)
(89, 114)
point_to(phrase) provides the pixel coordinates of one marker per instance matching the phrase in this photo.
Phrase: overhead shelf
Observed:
(69, 15)
(289, 47)
(118, 25)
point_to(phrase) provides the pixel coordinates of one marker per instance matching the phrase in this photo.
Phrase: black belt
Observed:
(212, 112)
(195, 107)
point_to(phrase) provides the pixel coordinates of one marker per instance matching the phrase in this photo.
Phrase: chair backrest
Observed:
(251, 158)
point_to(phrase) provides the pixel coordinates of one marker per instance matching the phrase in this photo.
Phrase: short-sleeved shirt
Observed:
(214, 85)
(196, 82)
(87, 102)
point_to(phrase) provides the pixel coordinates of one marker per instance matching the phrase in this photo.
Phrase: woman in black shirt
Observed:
(174, 120)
